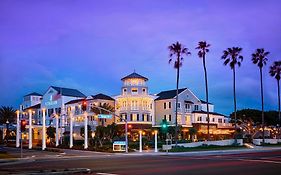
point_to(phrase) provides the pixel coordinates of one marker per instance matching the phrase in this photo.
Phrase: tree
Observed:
(232, 57)
(192, 132)
(177, 51)
(260, 58)
(275, 71)
(7, 116)
(82, 131)
(51, 131)
(104, 108)
(203, 49)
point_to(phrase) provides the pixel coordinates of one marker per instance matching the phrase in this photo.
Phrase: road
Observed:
(250, 163)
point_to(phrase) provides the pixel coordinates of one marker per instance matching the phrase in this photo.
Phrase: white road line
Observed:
(106, 174)
(263, 161)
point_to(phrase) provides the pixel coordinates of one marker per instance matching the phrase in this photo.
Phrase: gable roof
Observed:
(38, 106)
(204, 102)
(74, 101)
(102, 96)
(169, 94)
(134, 75)
(69, 92)
(34, 94)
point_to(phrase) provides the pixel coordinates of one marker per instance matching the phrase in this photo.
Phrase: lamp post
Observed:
(140, 141)
(57, 130)
(44, 129)
(86, 131)
(18, 129)
(30, 130)
(71, 130)
(155, 142)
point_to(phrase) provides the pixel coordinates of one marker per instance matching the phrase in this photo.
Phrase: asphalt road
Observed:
(254, 163)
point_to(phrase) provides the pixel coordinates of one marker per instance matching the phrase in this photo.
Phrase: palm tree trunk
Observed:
(262, 108)
(207, 95)
(279, 115)
(234, 98)
(177, 99)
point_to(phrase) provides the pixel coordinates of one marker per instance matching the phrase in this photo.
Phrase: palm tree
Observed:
(99, 110)
(7, 116)
(177, 51)
(275, 71)
(232, 57)
(260, 58)
(203, 49)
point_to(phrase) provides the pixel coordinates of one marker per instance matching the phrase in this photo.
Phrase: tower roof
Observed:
(134, 75)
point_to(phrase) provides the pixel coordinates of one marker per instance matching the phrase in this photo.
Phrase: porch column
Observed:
(71, 130)
(57, 130)
(30, 130)
(86, 131)
(140, 141)
(44, 129)
(18, 129)
(155, 142)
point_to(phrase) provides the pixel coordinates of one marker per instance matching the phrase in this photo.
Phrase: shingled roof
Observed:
(74, 101)
(69, 92)
(38, 106)
(102, 96)
(134, 75)
(204, 102)
(204, 112)
(34, 94)
(169, 94)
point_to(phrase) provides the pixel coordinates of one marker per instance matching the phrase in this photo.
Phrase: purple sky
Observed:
(91, 46)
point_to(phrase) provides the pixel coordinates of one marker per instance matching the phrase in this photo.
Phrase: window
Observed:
(131, 117)
(170, 105)
(196, 108)
(165, 105)
(199, 119)
(220, 120)
(170, 117)
(143, 90)
(134, 90)
(135, 117)
(164, 117)
(138, 118)
(213, 119)
(179, 105)
(124, 91)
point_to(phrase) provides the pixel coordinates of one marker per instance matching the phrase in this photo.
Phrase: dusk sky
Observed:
(91, 45)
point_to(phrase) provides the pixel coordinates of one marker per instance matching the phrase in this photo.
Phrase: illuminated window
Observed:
(134, 90)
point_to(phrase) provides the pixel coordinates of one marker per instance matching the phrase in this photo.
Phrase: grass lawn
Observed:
(203, 148)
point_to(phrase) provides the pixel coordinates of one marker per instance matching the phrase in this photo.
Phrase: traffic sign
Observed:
(104, 116)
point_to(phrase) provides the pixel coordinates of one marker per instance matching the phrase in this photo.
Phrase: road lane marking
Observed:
(106, 174)
(263, 161)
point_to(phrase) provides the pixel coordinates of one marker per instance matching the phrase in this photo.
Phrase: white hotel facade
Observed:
(141, 109)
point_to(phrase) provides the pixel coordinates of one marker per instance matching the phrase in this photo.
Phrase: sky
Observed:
(91, 45)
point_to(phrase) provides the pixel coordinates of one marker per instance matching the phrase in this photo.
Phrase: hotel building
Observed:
(135, 104)
(141, 110)
(191, 113)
